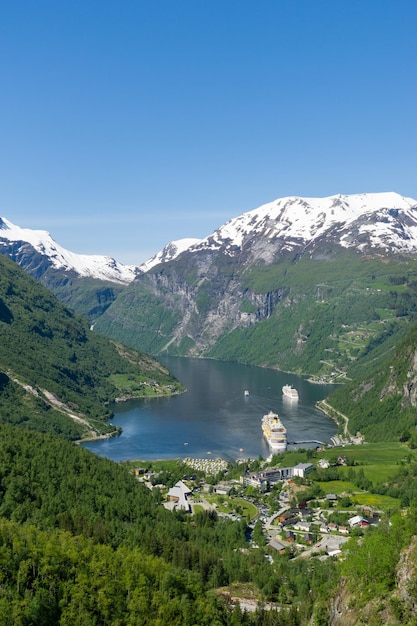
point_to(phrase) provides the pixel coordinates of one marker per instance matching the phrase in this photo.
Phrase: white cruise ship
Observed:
(275, 432)
(289, 392)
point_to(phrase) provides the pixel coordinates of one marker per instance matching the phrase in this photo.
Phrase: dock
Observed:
(297, 443)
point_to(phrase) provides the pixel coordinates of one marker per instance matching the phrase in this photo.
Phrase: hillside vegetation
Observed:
(52, 366)
(327, 314)
(382, 402)
(83, 542)
(334, 313)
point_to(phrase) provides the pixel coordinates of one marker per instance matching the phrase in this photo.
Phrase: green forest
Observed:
(81, 541)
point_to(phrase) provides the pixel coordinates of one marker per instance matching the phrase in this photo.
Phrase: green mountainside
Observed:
(55, 374)
(86, 296)
(324, 313)
(382, 403)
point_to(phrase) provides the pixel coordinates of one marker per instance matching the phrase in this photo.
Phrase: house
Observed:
(177, 497)
(358, 522)
(290, 514)
(308, 538)
(344, 530)
(323, 463)
(222, 488)
(289, 535)
(302, 526)
(277, 545)
(331, 497)
(331, 526)
(371, 515)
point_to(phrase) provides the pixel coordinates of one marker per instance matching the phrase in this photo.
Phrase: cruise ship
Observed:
(275, 432)
(289, 392)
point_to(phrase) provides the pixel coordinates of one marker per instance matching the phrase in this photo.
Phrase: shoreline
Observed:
(119, 430)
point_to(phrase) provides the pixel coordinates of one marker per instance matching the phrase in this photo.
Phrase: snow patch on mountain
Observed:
(169, 252)
(88, 265)
(391, 222)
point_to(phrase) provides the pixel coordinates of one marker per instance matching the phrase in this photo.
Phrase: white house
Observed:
(177, 497)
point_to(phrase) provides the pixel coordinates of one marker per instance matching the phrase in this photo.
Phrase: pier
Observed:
(297, 443)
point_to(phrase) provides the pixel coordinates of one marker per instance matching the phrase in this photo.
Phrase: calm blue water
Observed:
(214, 416)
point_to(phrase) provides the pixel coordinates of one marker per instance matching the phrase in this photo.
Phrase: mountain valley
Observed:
(84, 542)
(309, 285)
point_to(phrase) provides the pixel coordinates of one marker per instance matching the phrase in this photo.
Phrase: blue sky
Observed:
(124, 125)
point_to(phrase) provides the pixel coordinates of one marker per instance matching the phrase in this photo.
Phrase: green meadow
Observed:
(378, 455)
(225, 504)
(339, 487)
(376, 501)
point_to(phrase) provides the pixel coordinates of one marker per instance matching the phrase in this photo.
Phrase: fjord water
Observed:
(214, 417)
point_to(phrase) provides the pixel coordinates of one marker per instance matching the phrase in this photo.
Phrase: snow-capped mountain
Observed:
(273, 265)
(41, 252)
(386, 221)
(169, 252)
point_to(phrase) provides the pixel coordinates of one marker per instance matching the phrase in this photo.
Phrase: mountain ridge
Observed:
(255, 292)
(92, 266)
(296, 219)
(270, 287)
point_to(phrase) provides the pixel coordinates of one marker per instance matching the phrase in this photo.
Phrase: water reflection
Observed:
(215, 416)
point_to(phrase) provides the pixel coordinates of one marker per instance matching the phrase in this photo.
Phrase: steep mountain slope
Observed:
(54, 371)
(299, 284)
(86, 283)
(37, 252)
(382, 401)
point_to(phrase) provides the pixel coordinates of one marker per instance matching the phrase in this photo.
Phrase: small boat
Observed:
(289, 392)
(246, 392)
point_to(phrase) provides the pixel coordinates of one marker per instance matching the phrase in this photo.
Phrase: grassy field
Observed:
(225, 504)
(376, 501)
(380, 462)
(338, 487)
(378, 454)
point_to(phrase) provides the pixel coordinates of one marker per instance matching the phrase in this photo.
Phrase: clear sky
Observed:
(127, 124)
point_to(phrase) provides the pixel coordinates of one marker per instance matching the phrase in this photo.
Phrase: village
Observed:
(283, 503)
